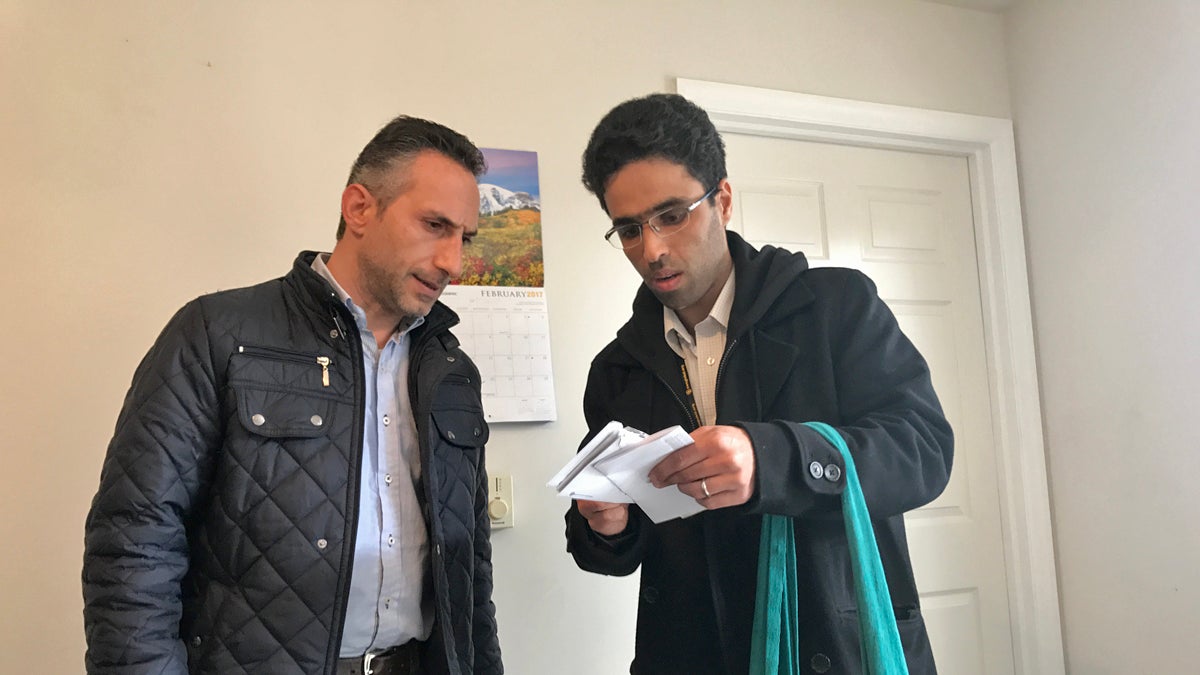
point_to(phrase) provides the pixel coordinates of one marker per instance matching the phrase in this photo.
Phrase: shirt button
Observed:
(391, 540)
(816, 470)
(711, 361)
(386, 420)
(387, 478)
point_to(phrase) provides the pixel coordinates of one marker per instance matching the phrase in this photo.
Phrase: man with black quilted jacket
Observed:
(296, 481)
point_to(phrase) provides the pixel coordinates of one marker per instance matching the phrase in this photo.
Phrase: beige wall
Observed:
(1106, 97)
(156, 151)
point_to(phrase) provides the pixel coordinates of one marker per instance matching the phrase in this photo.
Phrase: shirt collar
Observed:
(360, 317)
(677, 334)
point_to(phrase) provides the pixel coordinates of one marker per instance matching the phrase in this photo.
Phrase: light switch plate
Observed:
(500, 502)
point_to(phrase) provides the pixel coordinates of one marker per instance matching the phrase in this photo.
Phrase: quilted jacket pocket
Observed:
(461, 428)
(280, 414)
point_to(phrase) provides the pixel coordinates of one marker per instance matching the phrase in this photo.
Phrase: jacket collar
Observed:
(760, 299)
(317, 295)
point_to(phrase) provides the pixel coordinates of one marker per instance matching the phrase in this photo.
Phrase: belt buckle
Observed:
(368, 659)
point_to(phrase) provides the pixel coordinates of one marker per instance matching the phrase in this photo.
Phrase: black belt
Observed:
(402, 660)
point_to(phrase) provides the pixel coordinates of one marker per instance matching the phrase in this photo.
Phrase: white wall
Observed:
(156, 151)
(1105, 103)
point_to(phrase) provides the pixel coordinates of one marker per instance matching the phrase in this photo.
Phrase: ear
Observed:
(358, 208)
(724, 198)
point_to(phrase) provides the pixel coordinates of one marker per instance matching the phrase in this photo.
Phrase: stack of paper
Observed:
(615, 466)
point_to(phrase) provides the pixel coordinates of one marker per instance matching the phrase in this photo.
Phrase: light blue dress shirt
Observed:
(387, 605)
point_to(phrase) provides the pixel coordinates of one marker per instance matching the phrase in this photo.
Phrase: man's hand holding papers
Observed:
(613, 469)
(717, 470)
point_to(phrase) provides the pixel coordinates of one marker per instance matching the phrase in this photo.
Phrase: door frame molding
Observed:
(988, 146)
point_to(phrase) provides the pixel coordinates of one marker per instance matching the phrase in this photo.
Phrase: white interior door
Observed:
(905, 218)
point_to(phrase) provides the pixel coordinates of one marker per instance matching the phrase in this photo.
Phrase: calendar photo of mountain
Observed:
(508, 249)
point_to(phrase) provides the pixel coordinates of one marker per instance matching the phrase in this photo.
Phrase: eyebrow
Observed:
(445, 220)
(645, 215)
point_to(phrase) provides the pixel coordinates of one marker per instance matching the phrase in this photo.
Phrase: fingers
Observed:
(603, 517)
(722, 491)
(665, 472)
(721, 458)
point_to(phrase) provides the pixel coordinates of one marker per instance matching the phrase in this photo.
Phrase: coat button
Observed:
(820, 663)
(258, 420)
(649, 595)
(316, 420)
(321, 543)
(832, 473)
(816, 470)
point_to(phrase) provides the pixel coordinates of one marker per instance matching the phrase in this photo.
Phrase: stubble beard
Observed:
(386, 289)
(688, 294)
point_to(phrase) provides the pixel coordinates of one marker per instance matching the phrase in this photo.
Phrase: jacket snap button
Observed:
(258, 420)
(650, 595)
(820, 663)
(832, 473)
(450, 435)
(321, 543)
(450, 359)
(196, 641)
(316, 420)
(816, 469)
(333, 333)
(477, 431)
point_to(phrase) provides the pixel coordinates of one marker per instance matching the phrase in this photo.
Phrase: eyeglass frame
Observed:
(649, 221)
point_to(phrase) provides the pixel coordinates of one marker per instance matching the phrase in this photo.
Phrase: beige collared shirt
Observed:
(702, 352)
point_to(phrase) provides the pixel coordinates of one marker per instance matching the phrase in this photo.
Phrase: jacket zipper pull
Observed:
(324, 362)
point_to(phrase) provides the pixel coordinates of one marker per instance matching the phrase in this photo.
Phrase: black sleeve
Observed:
(887, 411)
(619, 555)
(483, 630)
(135, 540)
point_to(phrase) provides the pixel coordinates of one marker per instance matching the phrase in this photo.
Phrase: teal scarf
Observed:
(775, 646)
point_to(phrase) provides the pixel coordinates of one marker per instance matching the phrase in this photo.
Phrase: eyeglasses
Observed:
(664, 223)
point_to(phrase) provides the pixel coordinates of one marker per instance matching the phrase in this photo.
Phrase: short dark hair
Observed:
(398, 143)
(666, 126)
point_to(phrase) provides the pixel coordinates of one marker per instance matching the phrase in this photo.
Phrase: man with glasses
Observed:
(742, 346)
(296, 482)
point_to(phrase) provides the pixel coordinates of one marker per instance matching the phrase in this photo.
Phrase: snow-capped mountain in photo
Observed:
(494, 199)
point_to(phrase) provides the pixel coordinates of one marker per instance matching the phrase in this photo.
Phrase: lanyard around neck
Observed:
(687, 391)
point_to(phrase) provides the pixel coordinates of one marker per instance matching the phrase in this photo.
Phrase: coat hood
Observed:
(762, 277)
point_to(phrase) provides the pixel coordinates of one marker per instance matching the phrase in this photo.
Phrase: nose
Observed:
(448, 257)
(654, 246)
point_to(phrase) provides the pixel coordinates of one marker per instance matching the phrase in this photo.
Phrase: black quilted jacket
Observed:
(220, 540)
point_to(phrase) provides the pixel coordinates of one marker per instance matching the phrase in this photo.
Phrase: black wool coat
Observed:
(221, 538)
(802, 345)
